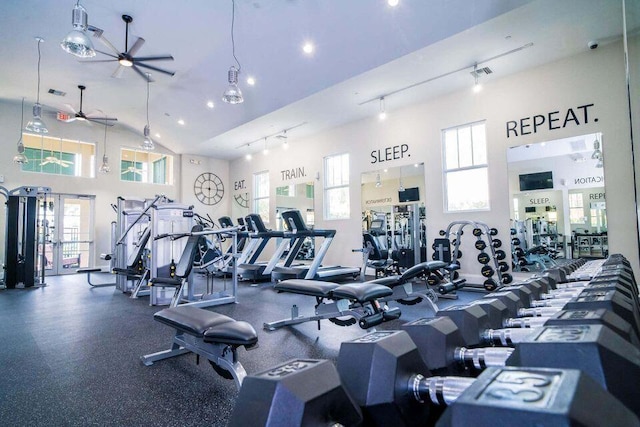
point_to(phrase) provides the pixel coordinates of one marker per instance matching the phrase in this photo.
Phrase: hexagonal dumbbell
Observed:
(386, 376)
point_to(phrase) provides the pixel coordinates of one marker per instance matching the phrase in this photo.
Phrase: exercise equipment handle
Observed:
(505, 337)
(481, 358)
(144, 212)
(438, 390)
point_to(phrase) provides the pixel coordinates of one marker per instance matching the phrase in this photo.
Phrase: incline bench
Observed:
(208, 334)
(357, 302)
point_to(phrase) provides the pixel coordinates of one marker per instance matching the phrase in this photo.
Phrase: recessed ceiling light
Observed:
(181, 122)
(210, 104)
(157, 135)
(393, 3)
(251, 81)
(308, 48)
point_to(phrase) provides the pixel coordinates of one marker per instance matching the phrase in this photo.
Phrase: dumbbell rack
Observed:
(456, 228)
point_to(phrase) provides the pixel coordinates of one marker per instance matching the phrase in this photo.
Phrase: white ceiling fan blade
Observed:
(136, 46)
(70, 108)
(118, 72)
(108, 44)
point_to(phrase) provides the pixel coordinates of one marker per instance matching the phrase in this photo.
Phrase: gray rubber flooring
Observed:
(70, 355)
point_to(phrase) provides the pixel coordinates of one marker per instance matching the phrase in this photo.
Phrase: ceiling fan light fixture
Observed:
(233, 94)
(36, 125)
(125, 62)
(78, 42)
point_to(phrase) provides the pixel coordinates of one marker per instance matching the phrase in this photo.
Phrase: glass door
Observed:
(65, 224)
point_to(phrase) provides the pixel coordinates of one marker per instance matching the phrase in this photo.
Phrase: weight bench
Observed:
(89, 270)
(355, 302)
(405, 290)
(207, 334)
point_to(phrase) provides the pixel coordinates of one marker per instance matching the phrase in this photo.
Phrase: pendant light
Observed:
(147, 144)
(104, 167)
(36, 125)
(233, 94)
(265, 150)
(77, 42)
(477, 87)
(383, 113)
(20, 158)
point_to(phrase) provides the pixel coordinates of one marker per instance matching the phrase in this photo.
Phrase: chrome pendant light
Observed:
(77, 42)
(233, 94)
(147, 144)
(36, 125)
(20, 158)
(104, 167)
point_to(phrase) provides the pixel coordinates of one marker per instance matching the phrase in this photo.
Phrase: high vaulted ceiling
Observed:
(364, 49)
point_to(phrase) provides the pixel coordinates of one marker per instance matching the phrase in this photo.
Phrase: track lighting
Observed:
(597, 154)
(147, 144)
(77, 42)
(477, 87)
(283, 137)
(233, 94)
(20, 158)
(378, 181)
(265, 150)
(36, 125)
(383, 114)
(248, 156)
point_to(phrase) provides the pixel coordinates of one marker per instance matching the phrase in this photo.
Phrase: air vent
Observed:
(57, 92)
(481, 71)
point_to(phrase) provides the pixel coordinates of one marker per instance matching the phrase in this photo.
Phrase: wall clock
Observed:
(208, 188)
(242, 200)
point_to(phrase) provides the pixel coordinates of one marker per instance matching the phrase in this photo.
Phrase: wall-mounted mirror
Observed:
(393, 212)
(558, 207)
(300, 197)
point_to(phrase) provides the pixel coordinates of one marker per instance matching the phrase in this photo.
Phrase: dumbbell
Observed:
(594, 349)
(385, 374)
(484, 322)
(300, 392)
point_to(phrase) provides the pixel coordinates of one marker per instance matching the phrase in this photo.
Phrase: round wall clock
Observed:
(208, 188)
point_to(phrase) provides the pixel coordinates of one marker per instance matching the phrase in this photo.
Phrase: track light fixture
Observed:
(36, 125)
(597, 154)
(477, 87)
(378, 181)
(248, 156)
(233, 94)
(147, 144)
(77, 42)
(265, 150)
(284, 139)
(20, 158)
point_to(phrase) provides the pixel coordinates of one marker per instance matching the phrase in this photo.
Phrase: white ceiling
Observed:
(364, 49)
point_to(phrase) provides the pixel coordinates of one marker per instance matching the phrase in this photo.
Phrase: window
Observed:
(286, 191)
(576, 209)
(261, 194)
(58, 156)
(143, 166)
(466, 177)
(336, 187)
(516, 209)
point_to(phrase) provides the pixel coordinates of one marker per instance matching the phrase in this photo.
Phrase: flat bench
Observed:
(357, 302)
(89, 271)
(211, 335)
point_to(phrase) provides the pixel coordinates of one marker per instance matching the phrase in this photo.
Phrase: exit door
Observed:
(65, 229)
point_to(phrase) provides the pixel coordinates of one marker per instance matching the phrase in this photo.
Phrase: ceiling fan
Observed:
(132, 169)
(56, 161)
(127, 59)
(80, 115)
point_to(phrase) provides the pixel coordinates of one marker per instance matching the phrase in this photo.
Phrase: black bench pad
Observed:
(314, 288)
(89, 270)
(192, 320)
(165, 281)
(232, 333)
(362, 292)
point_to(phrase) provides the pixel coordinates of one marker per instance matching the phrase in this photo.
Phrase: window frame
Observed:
(345, 180)
(446, 171)
(257, 198)
(147, 167)
(79, 166)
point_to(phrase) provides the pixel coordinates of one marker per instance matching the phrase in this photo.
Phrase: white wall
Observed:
(594, 77)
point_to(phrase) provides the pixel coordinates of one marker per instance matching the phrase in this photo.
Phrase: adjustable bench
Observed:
(406, 292)
(208, 334)
(355, 302)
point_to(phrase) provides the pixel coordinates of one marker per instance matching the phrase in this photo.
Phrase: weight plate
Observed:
(500, 255)
(519, 252)
(442, 232)
(484, 258)
(507, 278)
(503, 266)
(515, 241)
(480, 245)
(459, 253)
(487, 271)
(493, 231)
(496, 243)
(490, 285)
(434, 256)
(433, 280)
(477, 232)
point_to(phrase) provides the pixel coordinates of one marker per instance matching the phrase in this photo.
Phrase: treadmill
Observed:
(252, 269)
(314, 271)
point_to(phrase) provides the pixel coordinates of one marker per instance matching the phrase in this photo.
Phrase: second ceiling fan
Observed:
(127, 59)
(81, 116)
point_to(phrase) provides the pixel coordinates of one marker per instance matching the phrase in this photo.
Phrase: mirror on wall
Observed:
(558, 205)
(393, 213)
(300, 197)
